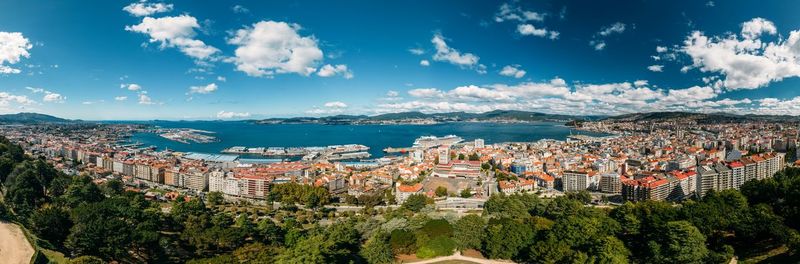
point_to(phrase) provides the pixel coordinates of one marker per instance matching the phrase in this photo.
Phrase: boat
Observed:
(433, 141)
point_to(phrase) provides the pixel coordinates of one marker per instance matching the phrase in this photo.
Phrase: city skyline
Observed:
(128, 60)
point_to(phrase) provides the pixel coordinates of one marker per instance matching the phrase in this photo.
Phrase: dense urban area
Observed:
(671, 190)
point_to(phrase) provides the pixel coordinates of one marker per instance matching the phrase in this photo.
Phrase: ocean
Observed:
(377, 137)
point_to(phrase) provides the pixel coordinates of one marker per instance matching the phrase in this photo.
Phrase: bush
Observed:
(439, 246)
(436, 228)
(402, 242)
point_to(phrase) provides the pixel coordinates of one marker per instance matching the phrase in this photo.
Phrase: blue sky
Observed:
(101, 60)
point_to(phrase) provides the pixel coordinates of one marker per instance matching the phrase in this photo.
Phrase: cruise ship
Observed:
(433, 141)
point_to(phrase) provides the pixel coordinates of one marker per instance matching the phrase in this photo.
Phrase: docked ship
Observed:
(433, 141)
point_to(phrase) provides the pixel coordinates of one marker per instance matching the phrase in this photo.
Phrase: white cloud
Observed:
(330, 70)
(145, 100)
(269, 47)
(54, 98)
(555, 96)
(336, 104)
(49, 96)
(6, 99)
(328, 108)
(615, 28)
(598, 39)
(121, 98)
(239, 9)
(417, 51)
(392, 94)
(205, 89)
(425, 92)
(528, 29)
(130, 86)
(597, 45)
(178, 32)
(512, 71)
(146, 9)
(228, 115)
(661, 49)
(508, 12)
(745, 62)
(752, 29)
(447, 54)
(13, 47)
(221, 78)
(425, 63)
(656, 68)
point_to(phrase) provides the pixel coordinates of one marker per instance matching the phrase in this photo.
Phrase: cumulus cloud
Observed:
(335, 107)
(512, 71)
(178, 32)
(120, 98)
(447, 54)
(331, 70)
(508, 12)
(204, 89)
(145, 100)
(54, 98)
(6, 99)
(661, 49)
(744, 61)
(615, 28)
(525, 19)
(598, 39)
(656, 68)
(145, 9)
(556, 96)
(269, 47)
(50, 97)
(425, 63)
(130, 86)
(13, 47)
(336, 104)
(229, 115)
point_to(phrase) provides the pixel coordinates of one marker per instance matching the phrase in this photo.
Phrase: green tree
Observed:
(505, 238)
(437, 246)
(402, 241)
(466, 193)
(441, 191)
(113, 187)
(415, 202)
(680, 242)
(469, 232)
(215, 198)
(51, 223)
(377, 249)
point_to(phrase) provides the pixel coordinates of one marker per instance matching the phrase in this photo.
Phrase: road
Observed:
(457, 256)
(15, 248)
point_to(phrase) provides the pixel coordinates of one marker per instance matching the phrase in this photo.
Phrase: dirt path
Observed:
(14, 249)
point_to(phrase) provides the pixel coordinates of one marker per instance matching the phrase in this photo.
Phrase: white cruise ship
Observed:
(433, 141)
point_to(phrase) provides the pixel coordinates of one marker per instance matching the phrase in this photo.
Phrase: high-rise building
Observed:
(444, 154)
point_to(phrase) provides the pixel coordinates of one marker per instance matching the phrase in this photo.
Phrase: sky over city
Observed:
(132, 60)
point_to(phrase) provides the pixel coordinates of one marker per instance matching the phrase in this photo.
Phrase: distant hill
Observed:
(700, 117)
(418, 117)
(31, 118)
